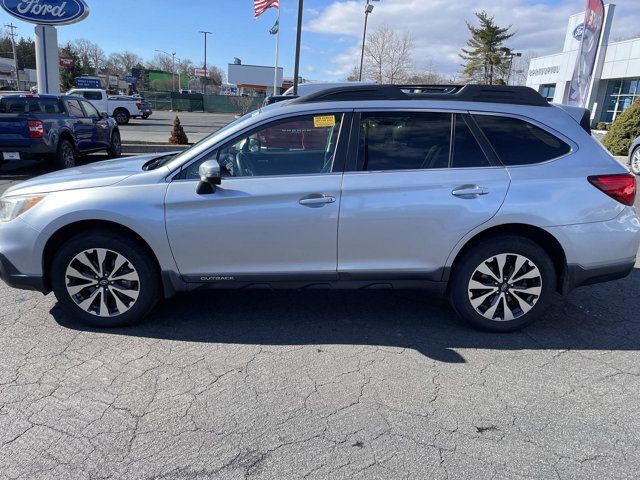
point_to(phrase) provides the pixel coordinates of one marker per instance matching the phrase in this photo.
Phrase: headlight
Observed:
(11, 207)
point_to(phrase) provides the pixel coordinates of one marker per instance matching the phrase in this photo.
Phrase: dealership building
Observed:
(616, 75)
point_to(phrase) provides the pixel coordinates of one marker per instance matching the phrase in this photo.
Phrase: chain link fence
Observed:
(197, 102)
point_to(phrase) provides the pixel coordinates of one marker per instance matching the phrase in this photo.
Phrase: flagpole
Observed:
(275, 73)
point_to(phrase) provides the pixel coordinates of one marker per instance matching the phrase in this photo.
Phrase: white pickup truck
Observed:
(121, 110)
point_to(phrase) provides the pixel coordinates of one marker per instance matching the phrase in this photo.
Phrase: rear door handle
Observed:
(317, 200)
(469, 191)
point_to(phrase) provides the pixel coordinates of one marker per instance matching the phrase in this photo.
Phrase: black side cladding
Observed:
(585, 121)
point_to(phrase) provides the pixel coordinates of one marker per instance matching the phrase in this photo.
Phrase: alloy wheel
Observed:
(116, 144)
(635, 162)
(102, 282)
(505, 287)
(68, 156)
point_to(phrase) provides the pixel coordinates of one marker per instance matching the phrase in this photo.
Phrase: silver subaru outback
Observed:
(491, 193)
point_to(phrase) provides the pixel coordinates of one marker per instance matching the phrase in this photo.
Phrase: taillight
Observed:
(36, 128)
(139, 106)
(620, 187)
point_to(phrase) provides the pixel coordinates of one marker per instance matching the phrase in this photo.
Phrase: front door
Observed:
(421, 182)
(275, 215)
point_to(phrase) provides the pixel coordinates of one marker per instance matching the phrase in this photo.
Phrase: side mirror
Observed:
(210, 176)
(104, 115)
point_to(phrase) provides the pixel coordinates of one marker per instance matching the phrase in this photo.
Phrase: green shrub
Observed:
(623, 131)
(602, 126)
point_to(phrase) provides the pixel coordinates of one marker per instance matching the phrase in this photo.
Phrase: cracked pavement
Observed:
(323, 384)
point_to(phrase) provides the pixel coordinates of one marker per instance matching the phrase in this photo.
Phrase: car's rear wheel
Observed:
(104, 281)
(66, 155)
(635, 161)
(503, 284)
(121, 116)
(115, 148)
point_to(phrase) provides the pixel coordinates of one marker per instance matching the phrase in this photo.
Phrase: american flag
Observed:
(260, 6)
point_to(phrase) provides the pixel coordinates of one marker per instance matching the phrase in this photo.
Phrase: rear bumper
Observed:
(12, 277)
(578, 276)
(36, 149)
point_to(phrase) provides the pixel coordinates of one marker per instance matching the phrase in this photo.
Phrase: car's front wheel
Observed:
(635, 161)
(104, 281)
(503, 284)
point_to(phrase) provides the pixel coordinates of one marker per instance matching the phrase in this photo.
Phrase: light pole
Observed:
(204, 87)
(173, 67)
(12, 33)
(511, 55)
(296, 66)
(367, 10)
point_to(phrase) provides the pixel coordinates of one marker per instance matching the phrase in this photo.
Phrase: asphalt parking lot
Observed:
(157, 128)
(322, 384)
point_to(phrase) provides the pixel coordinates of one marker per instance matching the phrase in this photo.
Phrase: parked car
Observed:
(634, 156)
(145, 106)
(120, 108)
(56, 127)
(491, 193)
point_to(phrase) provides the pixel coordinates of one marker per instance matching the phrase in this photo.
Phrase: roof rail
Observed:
(464, 93)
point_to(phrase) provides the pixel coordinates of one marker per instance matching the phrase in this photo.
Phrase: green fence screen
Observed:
(197, 102)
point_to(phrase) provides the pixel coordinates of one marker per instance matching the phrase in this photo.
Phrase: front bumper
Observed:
(12, 277)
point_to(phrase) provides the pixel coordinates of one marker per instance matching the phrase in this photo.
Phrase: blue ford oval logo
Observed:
(578, 31)
(47, 12)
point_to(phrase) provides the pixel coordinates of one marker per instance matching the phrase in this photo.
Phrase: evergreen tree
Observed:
(178, 137)
(486, 58)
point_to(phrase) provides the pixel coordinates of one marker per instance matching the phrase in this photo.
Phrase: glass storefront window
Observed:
(548, 91)
(620, 95)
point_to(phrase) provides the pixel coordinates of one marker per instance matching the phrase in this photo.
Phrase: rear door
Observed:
(82, 125)
(417, 182)
(101, 135)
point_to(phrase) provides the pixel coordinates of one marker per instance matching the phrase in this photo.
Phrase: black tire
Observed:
(115, 148)
(461, 292)
(121, 116)
(634, 161)
(66, 155)
(148, 286)
(144, 117)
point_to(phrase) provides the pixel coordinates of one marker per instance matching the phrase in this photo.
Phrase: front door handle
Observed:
(469, 191)
(317, 200)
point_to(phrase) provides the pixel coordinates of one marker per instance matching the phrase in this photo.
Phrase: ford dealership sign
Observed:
(47, 12)
(578, 32)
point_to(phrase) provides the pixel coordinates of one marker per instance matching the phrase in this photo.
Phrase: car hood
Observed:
(99, 174)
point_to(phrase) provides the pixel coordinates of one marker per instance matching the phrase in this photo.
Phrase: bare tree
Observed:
(388, 56)
(121, 63)
(242, 104)
(354, 75)
(92, 53)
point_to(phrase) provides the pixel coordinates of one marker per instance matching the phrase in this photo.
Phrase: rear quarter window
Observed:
(517, 142)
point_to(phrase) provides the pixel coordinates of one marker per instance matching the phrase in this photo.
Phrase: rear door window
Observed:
(74, 108)
(92, 95)
(517, 142)
(466, 150)
(404, 141)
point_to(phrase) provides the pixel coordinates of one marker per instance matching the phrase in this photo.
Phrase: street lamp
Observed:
(511, 55)
(173, 66)
(367, 10)
(204, 87)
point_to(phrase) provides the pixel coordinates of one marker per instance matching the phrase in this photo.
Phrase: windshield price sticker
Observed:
(324, 121)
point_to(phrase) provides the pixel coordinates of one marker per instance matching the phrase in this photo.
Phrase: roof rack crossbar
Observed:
(515, 95)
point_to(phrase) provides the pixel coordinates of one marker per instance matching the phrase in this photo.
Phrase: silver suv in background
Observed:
(490, 192)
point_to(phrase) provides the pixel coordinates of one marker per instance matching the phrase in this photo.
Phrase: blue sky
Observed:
(332, 29)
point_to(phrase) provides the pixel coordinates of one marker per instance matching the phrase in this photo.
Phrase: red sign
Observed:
(67, 62)
(200, 72)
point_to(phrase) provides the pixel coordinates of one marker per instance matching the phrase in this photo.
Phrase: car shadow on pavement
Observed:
(601, 317)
